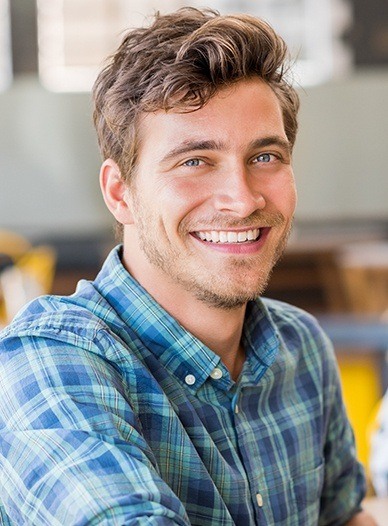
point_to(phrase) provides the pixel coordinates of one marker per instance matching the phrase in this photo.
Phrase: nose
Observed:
(238, 193)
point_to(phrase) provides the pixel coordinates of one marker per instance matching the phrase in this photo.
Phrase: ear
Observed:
(115, 192)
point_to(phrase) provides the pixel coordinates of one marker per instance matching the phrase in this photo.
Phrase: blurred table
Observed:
(356, 331)
(378, 508)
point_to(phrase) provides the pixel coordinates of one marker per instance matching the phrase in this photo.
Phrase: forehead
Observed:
(244, 111)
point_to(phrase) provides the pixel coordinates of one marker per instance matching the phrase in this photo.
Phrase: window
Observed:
(312, 30)
(76, 35)
(5, 46)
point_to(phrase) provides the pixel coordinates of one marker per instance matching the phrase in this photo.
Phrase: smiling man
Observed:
(225, 200)
(167, 391)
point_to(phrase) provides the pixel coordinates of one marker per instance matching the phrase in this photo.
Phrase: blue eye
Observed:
(192, 162)
(264, 158)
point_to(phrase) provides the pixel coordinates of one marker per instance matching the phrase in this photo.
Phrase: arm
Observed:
(344, 486)
(71, 448)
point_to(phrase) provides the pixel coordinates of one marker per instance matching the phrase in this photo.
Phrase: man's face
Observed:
(212, 199)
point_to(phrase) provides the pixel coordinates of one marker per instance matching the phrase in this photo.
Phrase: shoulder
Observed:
(82, 329)
(82, 332)
(56, 317)
(59, 345)
(293, 321)
(302, 340)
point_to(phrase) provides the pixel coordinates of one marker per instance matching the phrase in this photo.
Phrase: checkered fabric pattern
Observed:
(112, 413)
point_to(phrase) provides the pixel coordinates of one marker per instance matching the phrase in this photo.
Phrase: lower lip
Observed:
(249, 247)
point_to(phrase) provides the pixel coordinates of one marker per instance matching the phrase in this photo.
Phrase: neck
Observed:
(219, 329)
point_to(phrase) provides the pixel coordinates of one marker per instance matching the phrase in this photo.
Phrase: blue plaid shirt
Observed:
(112, 413)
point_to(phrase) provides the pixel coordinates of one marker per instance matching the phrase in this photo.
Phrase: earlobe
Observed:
(115, 192)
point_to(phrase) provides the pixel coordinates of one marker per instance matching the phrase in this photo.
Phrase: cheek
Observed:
(291, 197)
(181, 188)
(180, 196)
(294, 194)
(282, 194)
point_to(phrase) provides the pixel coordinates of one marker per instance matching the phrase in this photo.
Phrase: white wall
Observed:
(49, 160)
(341, 156)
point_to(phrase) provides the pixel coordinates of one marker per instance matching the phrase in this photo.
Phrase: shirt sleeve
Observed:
(71, 447)
(344, 485)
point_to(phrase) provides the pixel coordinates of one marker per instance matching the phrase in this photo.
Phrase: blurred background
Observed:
(51, 51)
(54, 228)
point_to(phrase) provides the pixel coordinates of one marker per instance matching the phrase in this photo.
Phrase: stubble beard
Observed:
(211, 289)
(241, 295)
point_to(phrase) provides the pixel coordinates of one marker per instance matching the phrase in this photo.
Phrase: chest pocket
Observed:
(294, 502)
(307, 489)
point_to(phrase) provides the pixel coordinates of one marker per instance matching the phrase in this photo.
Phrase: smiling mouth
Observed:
(227, 236)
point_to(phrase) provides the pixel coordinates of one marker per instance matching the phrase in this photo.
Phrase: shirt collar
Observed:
(176, 348)
(261, 341)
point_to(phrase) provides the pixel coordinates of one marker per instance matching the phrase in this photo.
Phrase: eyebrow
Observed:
(272, 140)
(189, 146)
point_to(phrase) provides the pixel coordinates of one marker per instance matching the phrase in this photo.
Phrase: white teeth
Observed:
(223, 237)
(215, 236)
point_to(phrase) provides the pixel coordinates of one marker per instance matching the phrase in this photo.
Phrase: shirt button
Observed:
(216, 374)
(259, 499)
(190, 379)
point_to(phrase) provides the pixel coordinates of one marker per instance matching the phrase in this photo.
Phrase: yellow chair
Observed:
(13, 245)
(30, 273)
(361, 385)
(39, 264)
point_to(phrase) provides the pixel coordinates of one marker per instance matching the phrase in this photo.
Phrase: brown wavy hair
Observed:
(178, 63)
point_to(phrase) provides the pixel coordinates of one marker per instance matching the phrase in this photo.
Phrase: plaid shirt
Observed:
(112, 413)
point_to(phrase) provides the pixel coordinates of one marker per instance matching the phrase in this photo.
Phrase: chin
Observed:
(231, 299)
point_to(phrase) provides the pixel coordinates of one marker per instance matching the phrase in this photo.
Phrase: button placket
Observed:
(216, 373)
(234, 403)
(259, 500)
(190, 379)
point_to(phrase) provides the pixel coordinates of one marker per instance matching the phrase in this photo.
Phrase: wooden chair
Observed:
(363, 269)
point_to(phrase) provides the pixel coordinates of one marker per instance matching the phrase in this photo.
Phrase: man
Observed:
(167, 391)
